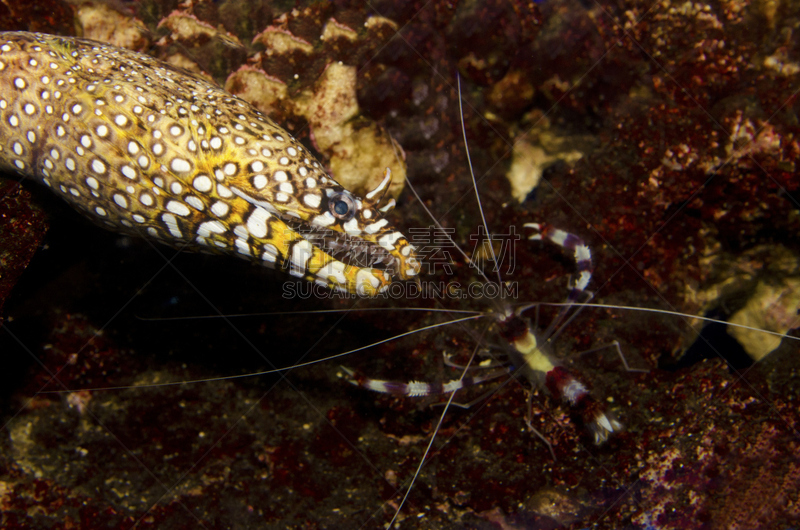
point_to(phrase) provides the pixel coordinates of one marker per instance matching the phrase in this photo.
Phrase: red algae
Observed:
(22, 228)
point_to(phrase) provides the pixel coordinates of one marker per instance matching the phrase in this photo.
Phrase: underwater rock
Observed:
(773, 307)
(45, 16)
(279, 41)
(686, 196)
(23, 224)
(538, 148)
(359, 150)
(256, 86)
(186, 29)
(101, 22)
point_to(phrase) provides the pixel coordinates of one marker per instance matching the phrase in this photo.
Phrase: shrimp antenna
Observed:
(436, 431)
(444, 232)
(480, 206)
(274, 370)
(482, 273)
(309, 312)
(474, 181)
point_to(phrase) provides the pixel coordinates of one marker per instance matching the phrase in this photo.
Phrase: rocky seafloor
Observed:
(665, 134)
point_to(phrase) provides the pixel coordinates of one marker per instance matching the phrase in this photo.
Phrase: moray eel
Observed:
(147, 149)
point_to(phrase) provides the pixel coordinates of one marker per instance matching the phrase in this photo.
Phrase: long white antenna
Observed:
(275, 370)
(481, 272)
(436, 430)
(677, 314)
(444, 232)
(475, 182)
(310, 312)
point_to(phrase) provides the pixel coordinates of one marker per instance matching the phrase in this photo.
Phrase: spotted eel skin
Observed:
(147, 149)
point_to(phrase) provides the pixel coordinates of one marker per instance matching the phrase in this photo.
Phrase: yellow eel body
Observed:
(147, 149)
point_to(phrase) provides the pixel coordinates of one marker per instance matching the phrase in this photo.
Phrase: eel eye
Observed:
(342, 206)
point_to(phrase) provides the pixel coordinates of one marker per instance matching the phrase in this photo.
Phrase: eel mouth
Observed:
(362, 265)
(350, 250)
(362, 260)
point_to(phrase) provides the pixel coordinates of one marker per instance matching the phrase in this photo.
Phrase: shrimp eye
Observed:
(342, 206)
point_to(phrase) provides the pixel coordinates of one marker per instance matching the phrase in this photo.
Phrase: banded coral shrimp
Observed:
(288, 461)
(568, 510)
